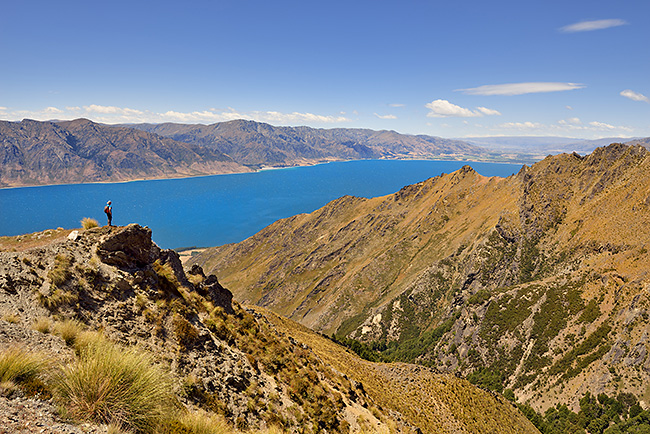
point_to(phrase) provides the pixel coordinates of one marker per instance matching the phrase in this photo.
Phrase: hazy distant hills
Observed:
(537, 282)
(34, 153)
(536, 148)
(258, 144)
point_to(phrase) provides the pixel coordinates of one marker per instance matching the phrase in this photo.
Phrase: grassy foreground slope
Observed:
(535, 283)
(133, 340)
(435, 402)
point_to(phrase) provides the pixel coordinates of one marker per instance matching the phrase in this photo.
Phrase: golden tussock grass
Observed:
(110, 384)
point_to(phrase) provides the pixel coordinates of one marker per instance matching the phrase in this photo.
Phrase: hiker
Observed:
(108, 209)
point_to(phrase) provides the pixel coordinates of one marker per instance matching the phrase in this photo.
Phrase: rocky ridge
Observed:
(225, 359)
(536, 283)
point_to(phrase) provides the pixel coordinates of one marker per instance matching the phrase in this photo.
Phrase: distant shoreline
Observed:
(264, 169)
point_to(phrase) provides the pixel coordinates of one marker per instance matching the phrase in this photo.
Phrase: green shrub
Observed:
(109, 384)
(88, 223)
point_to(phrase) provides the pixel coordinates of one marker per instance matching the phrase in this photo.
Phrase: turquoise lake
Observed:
(215, 210)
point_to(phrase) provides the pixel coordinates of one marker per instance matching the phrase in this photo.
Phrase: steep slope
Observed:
(537, 282)
(258, 144)
(253, 371)
(33, 153)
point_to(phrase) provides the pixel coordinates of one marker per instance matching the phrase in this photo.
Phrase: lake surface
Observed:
(215, 210)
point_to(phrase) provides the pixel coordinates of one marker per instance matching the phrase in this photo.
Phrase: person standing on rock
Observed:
(108, 209)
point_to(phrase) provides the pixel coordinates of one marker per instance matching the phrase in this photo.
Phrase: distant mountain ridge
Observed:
(537, 147)
(36, 153)
(258, 144)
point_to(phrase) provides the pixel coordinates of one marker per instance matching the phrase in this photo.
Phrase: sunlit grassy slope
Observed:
(437, 403)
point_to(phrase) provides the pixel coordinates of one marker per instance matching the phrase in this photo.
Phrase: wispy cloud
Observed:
(634, 96)
(588, 26)
(441, 108)
(520, 88)
(115, 115)
(396, 105)
(564, 126)
(386, 116)
(94, 108)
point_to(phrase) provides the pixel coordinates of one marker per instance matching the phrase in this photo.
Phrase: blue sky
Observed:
(450, 69)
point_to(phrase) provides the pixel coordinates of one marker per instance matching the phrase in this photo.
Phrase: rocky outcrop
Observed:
(117, 281)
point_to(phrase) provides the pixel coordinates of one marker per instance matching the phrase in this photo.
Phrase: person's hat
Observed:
(109, 202)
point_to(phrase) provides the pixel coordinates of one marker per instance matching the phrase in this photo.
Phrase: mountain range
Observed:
(258, 144)
(39, 153)
(535, 283)
(36, 153)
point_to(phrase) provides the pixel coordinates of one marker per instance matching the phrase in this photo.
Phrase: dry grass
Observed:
(439, 403)
(201, 422)
(21, 243)
(21, 369)
(68, 330)
(42, 324)
(110, 384)
(88, 223)
(11, 318)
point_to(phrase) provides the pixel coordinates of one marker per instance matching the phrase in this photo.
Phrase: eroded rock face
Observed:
(129, 248)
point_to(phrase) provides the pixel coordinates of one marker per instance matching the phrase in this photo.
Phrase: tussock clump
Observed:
(60, 272)
(110, 384)
(42, 324)
(68, 330)
(24, 370)
(88, 223)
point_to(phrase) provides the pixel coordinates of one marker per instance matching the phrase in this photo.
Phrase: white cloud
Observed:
(295, 117)
(565, 126)
(521, 126)
(603, 126)
(53, 111)
(441, 108)
(634, 96)
(117, 115)
(488, 112)
(570, 121)
(588, 26)
(520, 88)
(93, 108)
(386, 116)
(396, 105)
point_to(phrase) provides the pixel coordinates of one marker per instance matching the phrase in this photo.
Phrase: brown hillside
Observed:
(36, 153)
(252, 373)
(539, 278)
